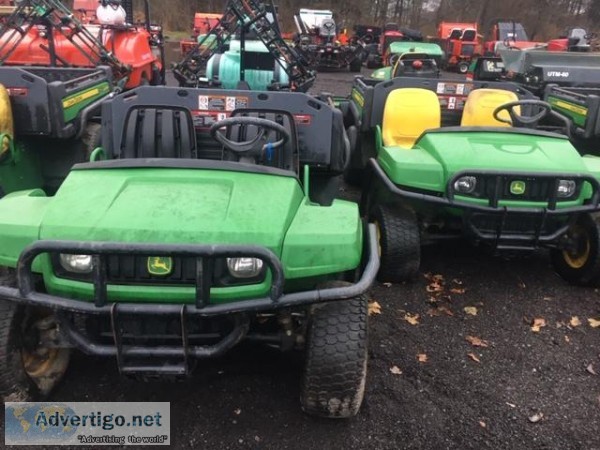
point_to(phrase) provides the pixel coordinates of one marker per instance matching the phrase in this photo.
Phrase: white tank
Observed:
(111, 15)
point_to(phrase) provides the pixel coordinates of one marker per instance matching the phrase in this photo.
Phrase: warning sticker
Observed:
(303, 119)
(203, 120)
(222, 103)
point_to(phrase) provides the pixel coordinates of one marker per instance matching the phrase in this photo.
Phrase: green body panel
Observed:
(183, 206)
(416, 47)
(438, 156)
(73, 104)
(385, 73)
(20, 171)
(575, 111)
(339, 237)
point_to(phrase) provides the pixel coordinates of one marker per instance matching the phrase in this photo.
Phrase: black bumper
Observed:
(134, 357)
(26, 294)
(537, 218)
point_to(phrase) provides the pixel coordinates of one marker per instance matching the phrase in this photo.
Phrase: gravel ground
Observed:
(519, 389)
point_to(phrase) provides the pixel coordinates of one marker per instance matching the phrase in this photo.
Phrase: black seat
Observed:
(158, 132)
(285, 157)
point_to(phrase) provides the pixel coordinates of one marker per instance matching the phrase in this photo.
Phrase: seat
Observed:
(158, 132)
(286, 157)
(481, 104)
(408, 113)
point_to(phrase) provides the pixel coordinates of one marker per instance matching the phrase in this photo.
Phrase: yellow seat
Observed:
(6, 120)
(481, 104)
(409, 113)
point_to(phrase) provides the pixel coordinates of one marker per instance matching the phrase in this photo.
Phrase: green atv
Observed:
(495, 179)
(403, 56)
(195, 226)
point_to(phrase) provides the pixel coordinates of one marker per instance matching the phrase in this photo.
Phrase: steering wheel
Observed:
(518, 120)
(254, 146)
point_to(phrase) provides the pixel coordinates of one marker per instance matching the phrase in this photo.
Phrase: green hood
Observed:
(506, 151)
(439, 155)
(172, 206)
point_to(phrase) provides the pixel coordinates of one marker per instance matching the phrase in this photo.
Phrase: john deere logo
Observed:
(159, 266)
(517, 187)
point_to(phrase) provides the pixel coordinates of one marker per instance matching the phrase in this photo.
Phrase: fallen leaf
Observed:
(590, 369)
(374, 308)
(387, 285)
(413, 320)
(536, 417)
(396, 370)
(575, 322)
(594, 323)
(482, 424)
(476, 342)
(548, 299)
(471, 310)
(474, 357)
(521, 284)
(537, 325)
(512, 405)
(567, 340)
(457, 281)
(437, 278)
(457, 290)
(237, 412)
(422, 357)
(438, 311)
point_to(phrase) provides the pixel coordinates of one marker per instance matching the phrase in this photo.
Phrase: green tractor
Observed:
(467, 160)
(421, 59)
(195, 226)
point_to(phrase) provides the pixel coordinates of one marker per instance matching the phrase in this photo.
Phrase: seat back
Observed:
(285, 157)
(408, 113)
(481, 104)
(158, 132)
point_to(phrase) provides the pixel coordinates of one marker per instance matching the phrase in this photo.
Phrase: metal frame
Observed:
(449, 200)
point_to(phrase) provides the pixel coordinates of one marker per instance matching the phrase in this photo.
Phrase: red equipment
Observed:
(52, 38)
(391, 33)
(203, 23)
(460, 41)
(506, 33)
(574, 40)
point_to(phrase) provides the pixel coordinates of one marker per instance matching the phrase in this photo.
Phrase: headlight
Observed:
(76, 263)
(465, 185)
(244, 267)
(566, 188)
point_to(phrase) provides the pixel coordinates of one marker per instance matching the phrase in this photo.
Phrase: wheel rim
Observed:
(578, 256)
(43, 365)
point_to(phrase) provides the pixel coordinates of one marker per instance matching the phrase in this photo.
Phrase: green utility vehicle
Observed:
(195, 226)
(495, 179)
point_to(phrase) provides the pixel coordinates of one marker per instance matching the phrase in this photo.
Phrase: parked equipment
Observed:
(258, 56)
(460, 41)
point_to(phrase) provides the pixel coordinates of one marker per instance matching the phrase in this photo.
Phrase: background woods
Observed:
(542, 18)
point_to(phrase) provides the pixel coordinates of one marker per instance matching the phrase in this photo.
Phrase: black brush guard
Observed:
(128, 356)
(499, 237)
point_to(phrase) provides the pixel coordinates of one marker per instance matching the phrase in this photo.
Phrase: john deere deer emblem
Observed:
(160, 266)
(517, 187)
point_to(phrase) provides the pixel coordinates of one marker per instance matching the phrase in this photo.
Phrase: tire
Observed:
(16, 384)
(91, 139)
(399, 243)
(580, 267)
(356, 65)
(371, 62)
(335, 373)
(463, 68)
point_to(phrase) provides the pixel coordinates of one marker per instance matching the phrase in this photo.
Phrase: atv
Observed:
(195, 226)
(495, 179)
(417, 61)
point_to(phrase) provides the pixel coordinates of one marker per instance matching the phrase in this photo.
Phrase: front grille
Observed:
(131, 269)
(536, 189)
